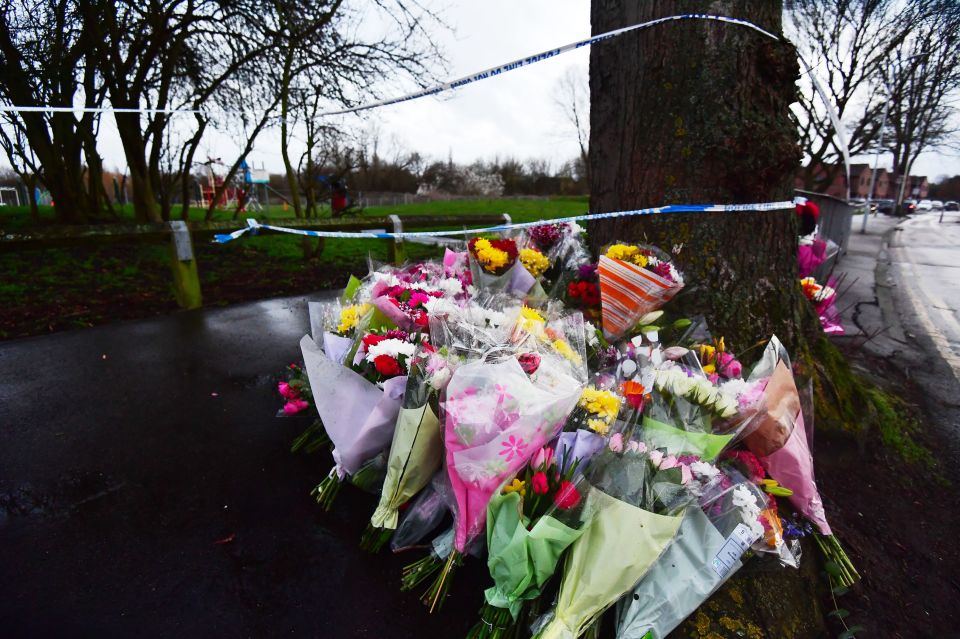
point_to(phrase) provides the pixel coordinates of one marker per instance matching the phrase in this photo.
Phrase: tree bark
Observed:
(697, 112)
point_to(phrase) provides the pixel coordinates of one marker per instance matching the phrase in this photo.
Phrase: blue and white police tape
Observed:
(440, 88)
(254, 226)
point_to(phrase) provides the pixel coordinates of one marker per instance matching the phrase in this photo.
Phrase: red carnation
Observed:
(567, 497)
(370, 340)
(387, 366)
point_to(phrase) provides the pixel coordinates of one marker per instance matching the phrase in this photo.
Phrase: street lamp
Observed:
(876, 156)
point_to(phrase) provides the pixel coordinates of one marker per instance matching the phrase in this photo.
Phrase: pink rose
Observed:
(294, 406)
(669, 462)
(543, 458)
(287, 391)
(616, 443)
(685, 474)
(656, 457)
(636, 447)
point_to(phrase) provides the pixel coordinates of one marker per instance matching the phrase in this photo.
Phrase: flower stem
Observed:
(419, 571)
(437, 591)
(327, 490)
(373, 539)
(495, 623)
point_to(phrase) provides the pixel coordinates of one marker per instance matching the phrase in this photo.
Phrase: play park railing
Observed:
(181, 235)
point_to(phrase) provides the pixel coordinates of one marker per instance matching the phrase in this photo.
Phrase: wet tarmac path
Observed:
(146, 489)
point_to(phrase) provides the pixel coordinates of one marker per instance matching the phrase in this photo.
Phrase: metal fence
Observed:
(836, 219)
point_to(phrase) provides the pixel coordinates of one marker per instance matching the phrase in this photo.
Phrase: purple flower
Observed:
(546, 235)
(587, 272)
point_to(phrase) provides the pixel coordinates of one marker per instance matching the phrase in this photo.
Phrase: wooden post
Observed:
(396, 251)
(186, 281)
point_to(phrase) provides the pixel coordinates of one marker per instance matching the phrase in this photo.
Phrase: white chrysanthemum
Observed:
(440, 306)
(392, 347)
(702, 469)
(440, 378)
(450, 286)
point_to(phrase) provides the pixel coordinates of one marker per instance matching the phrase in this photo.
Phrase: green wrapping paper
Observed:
(707, 446)
(521, 560)
(614, 553)
(415, 455)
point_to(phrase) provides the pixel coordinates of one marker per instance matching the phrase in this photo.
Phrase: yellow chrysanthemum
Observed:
(534, 261)
(349, 316)
(530, 321)
(640, 259)
(599, 426)
(563, 347)
(623, 252)
(516, 486)
(603, 404)
(490, 257)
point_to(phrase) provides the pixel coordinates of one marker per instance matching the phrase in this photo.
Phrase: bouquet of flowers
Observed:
(824, 300)
(634, 280)
(295, 391)
(530, 523)
(416, 451)
(681, 414)
(706, 551)
(638, 508)
(496, 416)
(494, 266)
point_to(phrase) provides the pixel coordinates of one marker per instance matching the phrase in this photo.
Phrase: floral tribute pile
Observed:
(521, 404)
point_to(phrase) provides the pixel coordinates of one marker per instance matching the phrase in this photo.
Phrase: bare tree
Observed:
(923, 80)
(45, 60)
(572, 97)
(847, 44)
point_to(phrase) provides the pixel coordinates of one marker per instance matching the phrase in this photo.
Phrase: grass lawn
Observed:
(58, 288)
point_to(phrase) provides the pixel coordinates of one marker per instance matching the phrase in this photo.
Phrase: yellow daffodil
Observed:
(516, 486)
(534, 261)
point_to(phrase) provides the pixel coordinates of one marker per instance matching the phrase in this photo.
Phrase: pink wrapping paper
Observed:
(792, 466)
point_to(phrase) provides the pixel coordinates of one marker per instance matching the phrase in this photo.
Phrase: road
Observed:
(147, 489)
(925, 262)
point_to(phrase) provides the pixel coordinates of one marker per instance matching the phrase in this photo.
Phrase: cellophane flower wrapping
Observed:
(424, 514)
(629, 290)
(360, 420)
(416, 451)
(496, 417)
(792, 467)
(682, 410)
(523, 554)
(623, 541)
(705, 552)
(511, 278)
(768, 402)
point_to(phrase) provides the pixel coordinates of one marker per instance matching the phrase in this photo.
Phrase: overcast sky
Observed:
(513, 114)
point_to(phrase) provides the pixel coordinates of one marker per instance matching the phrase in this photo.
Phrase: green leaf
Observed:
(851, 632)
(839, 613)
(833, 569)
(682, 323)
(840, 591)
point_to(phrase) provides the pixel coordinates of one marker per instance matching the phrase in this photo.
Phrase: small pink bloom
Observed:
(669, 462)
(729, 366)
(656, 457)
(543, 458)
(287, 391)
(636, 447)
(616, 442)
(294, 406)
(685, 474)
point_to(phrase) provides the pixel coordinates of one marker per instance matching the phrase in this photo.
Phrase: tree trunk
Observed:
(698, 112)
(145, 205)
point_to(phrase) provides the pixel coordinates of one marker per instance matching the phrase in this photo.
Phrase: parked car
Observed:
(923, 205)
(937, 205)
(950, 205)
(909, 206)
(885, 206)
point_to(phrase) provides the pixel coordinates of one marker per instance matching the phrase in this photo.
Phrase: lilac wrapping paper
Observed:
(360, 421)
(579, 444)
(336, 347)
